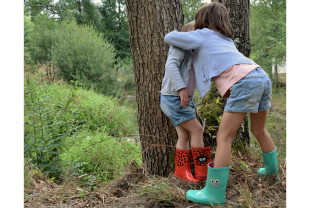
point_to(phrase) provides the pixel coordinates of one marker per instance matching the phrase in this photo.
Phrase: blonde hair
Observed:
(187, 26)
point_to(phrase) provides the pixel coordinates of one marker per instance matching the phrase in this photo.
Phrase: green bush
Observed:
(55, 112)
(210, 107)
(98, 154)
(41, 37)
(28, 30)
(125, 74)
(82, 54)
(46, 123)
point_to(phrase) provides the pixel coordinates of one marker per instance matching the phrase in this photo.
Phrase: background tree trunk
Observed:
(239, 14)
(148, 22)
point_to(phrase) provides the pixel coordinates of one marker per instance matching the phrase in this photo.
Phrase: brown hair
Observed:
(186, 27)
(215, 17)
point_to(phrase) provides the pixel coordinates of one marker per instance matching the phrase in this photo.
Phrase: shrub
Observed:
(98, 154)
(41, 37)
(210, 107)
(28, 30)
(82, 54)
(125, 74)
(55, 112)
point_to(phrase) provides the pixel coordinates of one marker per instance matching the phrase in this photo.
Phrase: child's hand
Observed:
(184, 97)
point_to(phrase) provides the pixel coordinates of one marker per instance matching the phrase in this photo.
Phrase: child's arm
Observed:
(172, 68)
(186, 40)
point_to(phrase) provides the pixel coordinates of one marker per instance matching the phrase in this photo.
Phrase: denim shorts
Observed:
(250, 94)
(172, 108)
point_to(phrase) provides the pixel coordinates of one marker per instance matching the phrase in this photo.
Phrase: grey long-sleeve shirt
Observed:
(177, 71)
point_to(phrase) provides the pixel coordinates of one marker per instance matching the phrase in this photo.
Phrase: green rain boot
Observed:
(271, 164)
(214, 191)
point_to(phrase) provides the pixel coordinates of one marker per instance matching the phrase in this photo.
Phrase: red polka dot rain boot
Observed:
(201, 158)
(182, 165)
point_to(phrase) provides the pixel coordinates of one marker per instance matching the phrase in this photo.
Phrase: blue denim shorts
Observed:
(250, 94)
(172, 108)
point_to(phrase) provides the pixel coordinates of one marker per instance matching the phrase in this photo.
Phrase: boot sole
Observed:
(205, 202)
(184, 180)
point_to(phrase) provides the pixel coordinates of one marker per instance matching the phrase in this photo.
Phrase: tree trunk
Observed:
(239, 13)
(148, 22)
(79, 5)
(119, 16)
(239, 16)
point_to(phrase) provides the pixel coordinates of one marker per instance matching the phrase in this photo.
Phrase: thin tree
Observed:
(148, 22)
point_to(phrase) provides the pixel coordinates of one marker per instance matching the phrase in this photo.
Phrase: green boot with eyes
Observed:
(271, 164)
(214, 191)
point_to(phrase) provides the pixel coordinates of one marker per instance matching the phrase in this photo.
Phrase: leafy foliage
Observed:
(190, 7)
(35, 7)
(53, 113)
(99, 154)
(46, 125)
(210, 111)
(110, 18)
(28, 40)
(125, 74)
(85, 12)
(211, 107)
(28, 30)
(40, 37)
(268, 34)
(83, 55)
(115, 26)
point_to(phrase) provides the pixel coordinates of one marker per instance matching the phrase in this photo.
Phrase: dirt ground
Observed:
(135, 189)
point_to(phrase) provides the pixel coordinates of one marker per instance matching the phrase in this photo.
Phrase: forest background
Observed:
(56, 78)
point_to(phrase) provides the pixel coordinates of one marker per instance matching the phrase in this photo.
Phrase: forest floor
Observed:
(136, 189)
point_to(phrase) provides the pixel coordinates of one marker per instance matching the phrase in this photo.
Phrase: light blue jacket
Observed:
(214, 53)
(177, 71)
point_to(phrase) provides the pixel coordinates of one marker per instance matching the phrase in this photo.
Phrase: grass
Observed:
(160, 189)
(133, 188)
(81, 129)
(131, 103)
(282, 77)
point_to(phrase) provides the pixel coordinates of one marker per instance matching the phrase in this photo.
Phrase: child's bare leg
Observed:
(195, 129)
(258, 122)
(228, 127)
(183, 140)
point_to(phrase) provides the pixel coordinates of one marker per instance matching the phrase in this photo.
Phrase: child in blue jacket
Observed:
(246, 85)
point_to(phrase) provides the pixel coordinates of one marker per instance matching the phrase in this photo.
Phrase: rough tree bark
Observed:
(149, 21)
(239, 14)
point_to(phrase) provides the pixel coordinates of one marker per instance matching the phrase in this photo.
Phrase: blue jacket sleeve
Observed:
(185, 40)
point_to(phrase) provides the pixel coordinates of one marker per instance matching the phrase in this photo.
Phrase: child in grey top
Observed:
(176, 102)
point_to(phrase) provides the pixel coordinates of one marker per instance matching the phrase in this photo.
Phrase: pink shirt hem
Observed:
(232, 75)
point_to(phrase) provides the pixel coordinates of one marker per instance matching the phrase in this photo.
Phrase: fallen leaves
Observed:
(253, 164)
(99, 196)
(241, 200)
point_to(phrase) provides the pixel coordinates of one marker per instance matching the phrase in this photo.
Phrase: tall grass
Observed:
(61, 120)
